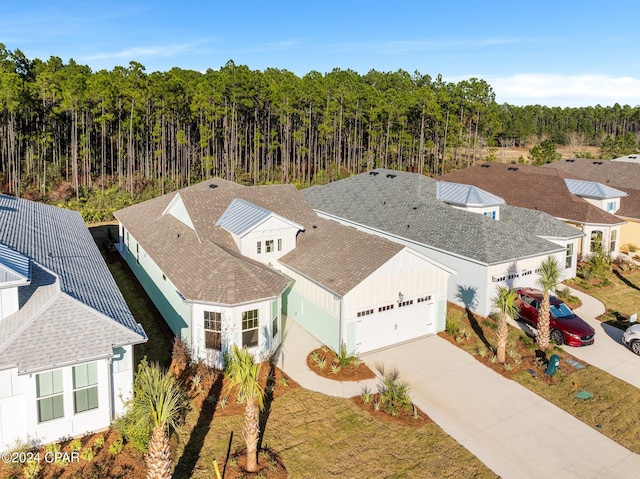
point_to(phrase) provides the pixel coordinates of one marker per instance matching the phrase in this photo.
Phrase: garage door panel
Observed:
(394, 326)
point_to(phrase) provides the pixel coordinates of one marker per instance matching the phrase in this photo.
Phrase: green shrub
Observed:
(75, 445)
(452, 326)
(116, 447)
(394, 394)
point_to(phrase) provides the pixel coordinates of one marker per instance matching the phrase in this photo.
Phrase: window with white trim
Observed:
(49, 395)
(569, 259)
(250, 328)
(213, 330)
(268, 246)
(85, 387)
(279, 244)
(612, 242)
(259, 247)
(274, 327)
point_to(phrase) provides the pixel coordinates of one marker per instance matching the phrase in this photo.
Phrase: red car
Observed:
(564, 326)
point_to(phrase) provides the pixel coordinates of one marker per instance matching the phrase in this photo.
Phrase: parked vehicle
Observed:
(565, 327)
(631, 338)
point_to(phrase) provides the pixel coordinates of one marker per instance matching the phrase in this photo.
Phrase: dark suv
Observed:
(564, 326)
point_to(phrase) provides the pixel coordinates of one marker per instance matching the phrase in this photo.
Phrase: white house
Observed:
(225, 264)
(66, 333)
(469, 231)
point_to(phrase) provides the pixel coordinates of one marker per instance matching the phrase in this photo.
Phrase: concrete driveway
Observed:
(607, 352)
(513, 431)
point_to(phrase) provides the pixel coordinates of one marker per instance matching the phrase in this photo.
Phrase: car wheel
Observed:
(557, 337)
(635, 346)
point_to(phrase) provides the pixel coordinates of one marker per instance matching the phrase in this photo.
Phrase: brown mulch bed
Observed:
(356, 372)
(416, 418)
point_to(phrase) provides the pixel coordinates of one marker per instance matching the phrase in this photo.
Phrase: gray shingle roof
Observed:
(538, 223)
(58, 240)
(405, 205)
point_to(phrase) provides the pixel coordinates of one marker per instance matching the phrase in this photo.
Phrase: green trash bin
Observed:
(552, 367)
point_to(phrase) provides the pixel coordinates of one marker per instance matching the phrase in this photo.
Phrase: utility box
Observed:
(552, 367)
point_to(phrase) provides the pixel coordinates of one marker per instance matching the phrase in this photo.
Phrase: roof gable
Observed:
(241, 216)
(177, 209)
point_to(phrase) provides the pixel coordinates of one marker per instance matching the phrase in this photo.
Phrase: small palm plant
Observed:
(242, 371)
(550, 276)
(160, 400)
(505, 302)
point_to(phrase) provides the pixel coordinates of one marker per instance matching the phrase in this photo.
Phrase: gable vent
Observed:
(373, 173)
(391, 176)
(485, 166)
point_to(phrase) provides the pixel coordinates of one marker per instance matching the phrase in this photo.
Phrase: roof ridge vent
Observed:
(391, 175)
(373, 173)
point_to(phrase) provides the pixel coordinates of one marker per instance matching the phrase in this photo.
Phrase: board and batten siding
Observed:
(274, 229)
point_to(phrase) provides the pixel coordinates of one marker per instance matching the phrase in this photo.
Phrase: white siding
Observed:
(318, 295)
(122, 378)
(19, 413)
(8, 301)
(272, 229)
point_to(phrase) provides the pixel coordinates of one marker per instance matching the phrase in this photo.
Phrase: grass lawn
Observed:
(611, 410)
(321, 436)
(621, 297)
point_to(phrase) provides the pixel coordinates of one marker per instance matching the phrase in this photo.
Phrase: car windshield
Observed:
(560, 311)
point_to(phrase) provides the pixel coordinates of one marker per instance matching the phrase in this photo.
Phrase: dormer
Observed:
(258, 232)
(469, 198)
(602, 196)
(15, 271)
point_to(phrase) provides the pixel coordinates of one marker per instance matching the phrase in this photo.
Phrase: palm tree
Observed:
(505, 302)
(550, 276)
(244, 372)
(159, 400)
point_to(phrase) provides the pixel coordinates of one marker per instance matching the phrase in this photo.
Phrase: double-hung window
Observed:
(49, 391)
(213, 330)
(268, 246)
(85, 387)
(250, 328)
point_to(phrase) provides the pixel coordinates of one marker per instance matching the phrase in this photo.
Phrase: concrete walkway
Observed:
(515, 432)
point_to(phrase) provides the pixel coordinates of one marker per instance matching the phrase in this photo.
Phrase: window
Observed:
(424, 298)
(268, 246)
(279, 244)
(274, 327)
(213, 330)
(385, 308)
(405, 303)
(250, 328)
(259, 247)
(366, 312)
(49, 394)
(611, 206)
(569, 260)
(612, 243)
(85, 387)
(596, 240)
(490, 214)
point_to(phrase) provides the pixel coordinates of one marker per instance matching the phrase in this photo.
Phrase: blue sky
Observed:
(555, 53)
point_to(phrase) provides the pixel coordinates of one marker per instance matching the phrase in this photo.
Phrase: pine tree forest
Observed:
(98, 141)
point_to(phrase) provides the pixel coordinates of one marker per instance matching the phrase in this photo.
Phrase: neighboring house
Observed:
(66, 333)
(634, 158)
(588, 207)
(224, 262)
(622, 174)
(414, 211)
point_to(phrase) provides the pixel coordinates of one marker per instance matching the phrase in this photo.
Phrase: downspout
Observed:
(110, 386)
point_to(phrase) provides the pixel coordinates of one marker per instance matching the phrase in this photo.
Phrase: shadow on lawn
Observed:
(187, 462)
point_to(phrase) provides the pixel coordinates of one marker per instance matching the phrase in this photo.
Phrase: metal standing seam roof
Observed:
(14, 267)
(405, 205)
(592, 189)
(59, 240)
(465, 195)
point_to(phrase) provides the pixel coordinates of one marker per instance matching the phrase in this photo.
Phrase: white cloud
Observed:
(566, 90)
(140, 52)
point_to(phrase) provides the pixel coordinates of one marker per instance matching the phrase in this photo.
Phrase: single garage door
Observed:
(385, 327)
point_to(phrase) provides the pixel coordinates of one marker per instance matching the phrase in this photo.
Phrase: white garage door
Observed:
(392, 326)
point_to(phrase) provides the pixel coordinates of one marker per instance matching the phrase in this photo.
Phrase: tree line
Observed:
(67, 133)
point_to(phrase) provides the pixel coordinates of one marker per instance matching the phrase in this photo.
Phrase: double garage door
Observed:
(392, 326)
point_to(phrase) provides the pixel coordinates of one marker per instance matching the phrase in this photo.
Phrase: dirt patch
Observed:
(324, 362)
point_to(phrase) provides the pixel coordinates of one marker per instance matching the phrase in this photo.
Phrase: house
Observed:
(66, 333)
(468, 230)
(587, 207)
(622, 174)
(226, 263)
